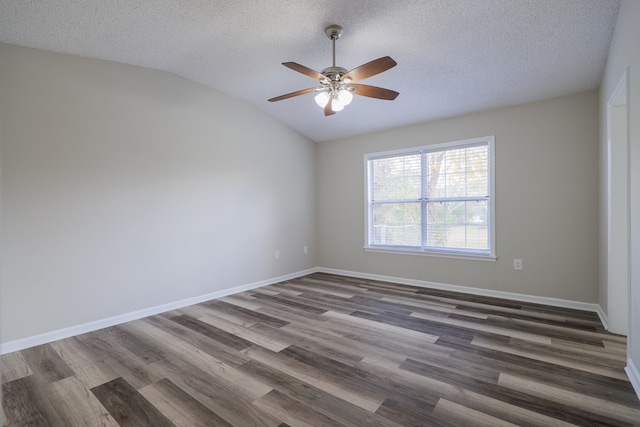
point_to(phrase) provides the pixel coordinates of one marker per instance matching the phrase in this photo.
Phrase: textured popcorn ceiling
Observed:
(454, 56)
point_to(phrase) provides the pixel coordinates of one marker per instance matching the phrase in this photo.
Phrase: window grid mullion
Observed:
(457, 199)
(424, 175)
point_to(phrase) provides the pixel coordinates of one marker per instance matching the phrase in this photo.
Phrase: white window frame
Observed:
(489, 255)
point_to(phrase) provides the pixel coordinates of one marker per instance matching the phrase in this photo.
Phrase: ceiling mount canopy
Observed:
(337, 85)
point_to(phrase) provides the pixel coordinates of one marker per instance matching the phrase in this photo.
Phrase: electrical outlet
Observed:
(305, 250)
(277, 254)
(517, 264)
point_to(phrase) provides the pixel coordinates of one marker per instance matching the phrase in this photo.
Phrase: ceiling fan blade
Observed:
(328, 111)
(292, 94)
(369, 69)
(374, 92)
(304, 70)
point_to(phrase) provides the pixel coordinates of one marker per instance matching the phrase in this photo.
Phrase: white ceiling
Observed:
(454, 56)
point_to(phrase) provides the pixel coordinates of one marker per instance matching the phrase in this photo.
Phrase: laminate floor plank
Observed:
(507, 412)
(293, 412)
(615, 347)
(288, 309)
(488, 404)
(418, 325)
(610, 409)
(464, 415)
(477, 371)
(513, 395)
(232, 317)
(245, 301)
(585, 381)
(409, 412)
(215, 396)
(127, 365)
(246, 316)
(227, 376)
(333, 350)
(143, 348)
(44, 361)
(344, 349)
(13, 367)
(392, 347)
(245, 333)
(590, 384)
(200, 341)
(180, 407)
(599, 359)
(565, 332)
(283, 288)
(332, 302)
(380, 305)
(553, 358)
(357, 377)
(429, 308)
(25, 402)
(88, 370)
(480, 325)
(551, 320)
(328, 350)
(211, 332)
(265, 291)
(196, 312)
(323, 402)
(127, 406)
(297, 302)
(613, 351)
(323, 380)
(306, 328)
(349, 284)
(308, 286)
(77, 406)
(370, 323)
(478, 305)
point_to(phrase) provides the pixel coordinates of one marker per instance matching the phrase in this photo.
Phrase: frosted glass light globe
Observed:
(345, 97)
(322, 98)
(336, 105)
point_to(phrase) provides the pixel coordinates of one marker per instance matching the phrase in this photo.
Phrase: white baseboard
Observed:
(11, 346)
(21, 344)
(634, 375)
(555, 302)
(603, 317)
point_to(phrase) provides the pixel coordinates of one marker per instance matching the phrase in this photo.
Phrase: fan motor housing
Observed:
(334, 73)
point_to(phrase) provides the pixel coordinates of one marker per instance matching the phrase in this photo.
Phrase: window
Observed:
(436, 199)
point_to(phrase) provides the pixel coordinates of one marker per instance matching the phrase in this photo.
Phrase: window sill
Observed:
(437, 254)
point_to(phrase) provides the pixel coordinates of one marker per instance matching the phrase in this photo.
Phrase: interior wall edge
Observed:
(47, 337)
(634, 375)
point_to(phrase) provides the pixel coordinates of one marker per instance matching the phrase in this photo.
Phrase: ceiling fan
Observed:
(337, 85)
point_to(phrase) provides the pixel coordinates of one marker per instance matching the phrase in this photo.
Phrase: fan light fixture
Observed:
(339, 99)
(337, 84)
(322, 98)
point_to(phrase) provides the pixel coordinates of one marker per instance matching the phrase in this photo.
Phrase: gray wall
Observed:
(624, 53)
(125, 188)
(546, 200)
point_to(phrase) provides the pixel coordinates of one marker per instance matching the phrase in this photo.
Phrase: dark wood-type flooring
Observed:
(326, 350)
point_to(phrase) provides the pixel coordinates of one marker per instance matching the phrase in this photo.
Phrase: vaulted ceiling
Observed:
(454, 56)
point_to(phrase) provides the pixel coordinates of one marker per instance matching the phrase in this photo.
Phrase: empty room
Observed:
(320, 213)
